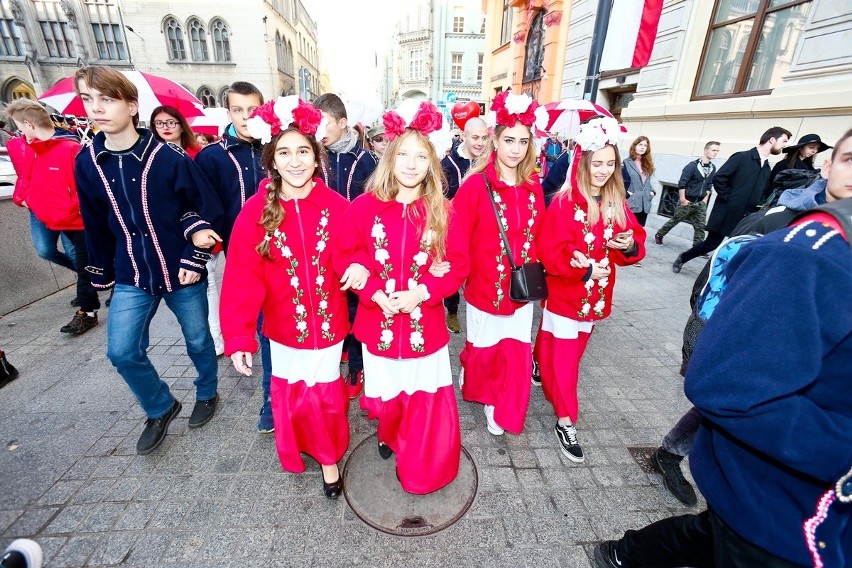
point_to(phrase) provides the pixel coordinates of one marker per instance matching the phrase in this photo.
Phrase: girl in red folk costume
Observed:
(589, 229)
(402, 225)
(281, 262)
(496, 360)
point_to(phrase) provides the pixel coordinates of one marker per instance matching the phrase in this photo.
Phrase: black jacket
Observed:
(739, 186)
(693, 181)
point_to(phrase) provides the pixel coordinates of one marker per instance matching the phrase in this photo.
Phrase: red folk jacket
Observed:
(563, 232)
(46, 182)
(297, 288)
(387, 237)
(487, 287)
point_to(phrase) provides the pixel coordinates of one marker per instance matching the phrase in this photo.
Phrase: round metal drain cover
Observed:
(375, 495)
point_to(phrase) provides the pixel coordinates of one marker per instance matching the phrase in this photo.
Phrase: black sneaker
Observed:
(155, 431)
(567, 436)
(203, 412)
(668, 465)
(677, 265)
(80, 323)
(8, 373)
(536, 374)
(606, 555)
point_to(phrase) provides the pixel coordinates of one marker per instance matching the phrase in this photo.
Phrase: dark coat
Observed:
(455, 167)
(140, 209)
(234, 169)
(739, 186)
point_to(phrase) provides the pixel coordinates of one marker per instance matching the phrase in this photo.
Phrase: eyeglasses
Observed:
(378, 139)
(169, 123)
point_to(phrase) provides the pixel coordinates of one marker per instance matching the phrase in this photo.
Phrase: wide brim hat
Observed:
(809, 139)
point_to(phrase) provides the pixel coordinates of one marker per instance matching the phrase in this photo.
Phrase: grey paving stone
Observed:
(75, 551)
(135, 516)
(113, 550)
(30, 522)
(101, 517)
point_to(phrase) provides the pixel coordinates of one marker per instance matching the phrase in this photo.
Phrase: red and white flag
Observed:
(631, 33)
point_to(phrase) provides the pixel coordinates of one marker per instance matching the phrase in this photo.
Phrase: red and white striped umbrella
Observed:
(213, 122)
(153, 92)
(567, 115)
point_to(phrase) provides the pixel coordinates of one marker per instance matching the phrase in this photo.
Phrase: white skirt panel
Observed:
(564, 328)
(309, 365)
(486, 330)
(386, 378)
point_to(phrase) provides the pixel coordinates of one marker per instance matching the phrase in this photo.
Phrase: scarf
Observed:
(345, 144)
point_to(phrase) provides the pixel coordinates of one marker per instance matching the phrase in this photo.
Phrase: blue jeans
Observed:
(680, 438)
(44, 241)
(265, 361)
(129, 321)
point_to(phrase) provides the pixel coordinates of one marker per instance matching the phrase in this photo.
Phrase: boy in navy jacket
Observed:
(235, 169)
(150, 220)
(349, 167)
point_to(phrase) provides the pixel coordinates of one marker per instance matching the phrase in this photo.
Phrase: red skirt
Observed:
(422, 429)
(559, 365)
(310, 419)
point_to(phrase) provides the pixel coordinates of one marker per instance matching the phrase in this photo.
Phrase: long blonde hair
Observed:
(273, 211)
(385, 187)
(526, 169)
(612, 193)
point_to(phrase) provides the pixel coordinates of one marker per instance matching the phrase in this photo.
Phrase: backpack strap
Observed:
(837, 213)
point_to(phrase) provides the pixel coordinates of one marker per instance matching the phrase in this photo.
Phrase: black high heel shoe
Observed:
(334, 489)
(384, 451)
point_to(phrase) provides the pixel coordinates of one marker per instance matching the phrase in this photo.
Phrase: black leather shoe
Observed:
(203, 412)
(677, 265)
(385, 451)
(75, 302)
(333, 490)
(155, 431)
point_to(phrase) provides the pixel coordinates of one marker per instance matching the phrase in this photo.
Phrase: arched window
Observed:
(198, 40)
(223, 95)
(290, 57)
(221, 40)
(205, 95)
(174, 39)
(534, 57)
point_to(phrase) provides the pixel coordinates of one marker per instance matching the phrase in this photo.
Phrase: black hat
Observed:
(809, 139)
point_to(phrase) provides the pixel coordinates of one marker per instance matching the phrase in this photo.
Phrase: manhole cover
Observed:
(373, 491)
(643, 456)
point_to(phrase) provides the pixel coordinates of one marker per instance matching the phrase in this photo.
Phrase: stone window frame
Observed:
(107, 30)
(175, 44)
(220, 35)
(456, 66)
(747, 45)
(11, 43)
(206, 96)
(197, 40)
(55, 29)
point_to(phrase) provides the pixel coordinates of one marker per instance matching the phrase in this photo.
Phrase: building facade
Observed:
(437, 53)
(525, 47)
(202, 45)
(726, 71)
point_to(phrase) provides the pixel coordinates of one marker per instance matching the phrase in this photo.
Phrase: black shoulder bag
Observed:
(527, 284)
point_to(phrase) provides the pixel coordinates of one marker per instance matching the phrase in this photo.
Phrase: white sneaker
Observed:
(493, 427)
(27, 550)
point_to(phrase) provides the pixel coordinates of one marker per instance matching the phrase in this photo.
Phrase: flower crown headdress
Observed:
(422, 116)
(594, 135)
(272, 117)
(507, 109)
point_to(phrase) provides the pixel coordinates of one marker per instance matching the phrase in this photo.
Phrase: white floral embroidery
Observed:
(525, 249)
(601, 284)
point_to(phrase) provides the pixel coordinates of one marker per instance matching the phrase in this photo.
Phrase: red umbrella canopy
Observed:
(153, 92)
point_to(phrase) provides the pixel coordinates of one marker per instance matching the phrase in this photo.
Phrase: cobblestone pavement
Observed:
(70, 477)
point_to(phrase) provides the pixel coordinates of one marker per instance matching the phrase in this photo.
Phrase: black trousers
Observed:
(706, 246)
(352, 345)
(702, 541)
(452, 303)
(86, 293)
(641, 217)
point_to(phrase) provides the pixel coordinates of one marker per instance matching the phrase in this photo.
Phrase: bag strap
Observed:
(840, 210)
(499, 223)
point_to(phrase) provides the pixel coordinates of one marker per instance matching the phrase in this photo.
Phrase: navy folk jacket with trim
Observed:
(140, 209)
